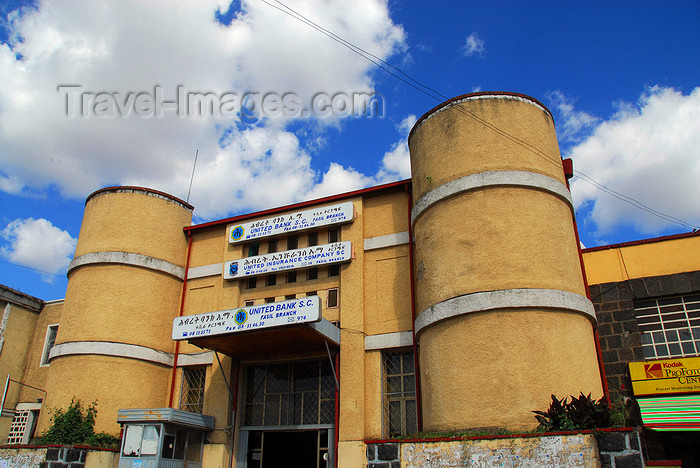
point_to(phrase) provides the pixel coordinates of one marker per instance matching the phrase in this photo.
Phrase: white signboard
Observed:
(274, 314)
(288, 260)
(314, 218)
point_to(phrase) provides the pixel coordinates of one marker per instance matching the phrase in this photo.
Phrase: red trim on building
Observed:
(495, 436)
(642, 241)
(366, 191)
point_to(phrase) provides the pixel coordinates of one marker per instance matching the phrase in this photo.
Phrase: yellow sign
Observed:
(680, 375)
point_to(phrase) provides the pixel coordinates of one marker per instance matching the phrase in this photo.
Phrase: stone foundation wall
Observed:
(614, 448)
(55, 456)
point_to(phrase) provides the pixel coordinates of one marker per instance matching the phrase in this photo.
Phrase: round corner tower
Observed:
(124, 285)
(502, 316)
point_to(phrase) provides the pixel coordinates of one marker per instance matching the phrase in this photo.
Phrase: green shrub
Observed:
(583, 412)
(76, 426)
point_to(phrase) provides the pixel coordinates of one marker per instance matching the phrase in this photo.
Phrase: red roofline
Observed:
(341, 196)
(642, 241)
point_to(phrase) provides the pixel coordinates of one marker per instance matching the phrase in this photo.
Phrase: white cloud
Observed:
(133, 46)
(650, 152)
(396, 163)
(474, 45)
(573, 125)
(38, 244)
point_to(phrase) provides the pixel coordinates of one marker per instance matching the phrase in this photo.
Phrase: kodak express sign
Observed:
(680, 375)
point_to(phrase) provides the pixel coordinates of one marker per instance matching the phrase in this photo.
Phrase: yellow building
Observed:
(450, 301)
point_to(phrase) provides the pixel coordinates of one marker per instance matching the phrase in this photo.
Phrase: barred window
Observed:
(192, 391)
(399, 395)
(670, 326)
(301, 393)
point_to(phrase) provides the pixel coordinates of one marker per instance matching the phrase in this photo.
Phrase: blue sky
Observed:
(621, 78)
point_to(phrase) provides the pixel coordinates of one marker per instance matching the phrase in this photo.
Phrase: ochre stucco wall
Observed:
(120, 303)
(665, 257)
(492, 368)
(134, 222)
(113, 382)
(18, 334)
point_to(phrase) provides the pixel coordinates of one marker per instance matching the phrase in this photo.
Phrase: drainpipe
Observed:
(182, 310)
(568, 167)
(337, 408)
(416, 364)
(235, 371)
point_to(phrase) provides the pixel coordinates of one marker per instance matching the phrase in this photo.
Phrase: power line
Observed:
(30, 268)
(434, 94)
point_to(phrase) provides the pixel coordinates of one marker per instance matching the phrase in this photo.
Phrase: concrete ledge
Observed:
(505, 299)
(490, 179)
(215, 269)
(388, 340)
(390, 240)
(129, 351)
(127, 258)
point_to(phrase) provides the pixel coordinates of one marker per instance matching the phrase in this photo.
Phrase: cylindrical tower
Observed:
(124, 287)
(503, 320)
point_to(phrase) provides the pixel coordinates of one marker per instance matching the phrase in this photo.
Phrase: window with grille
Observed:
(290, 394)
(192, 391)
(23, 423)
(399, 393)
(49, 342)
(670, 327)
(18, 426)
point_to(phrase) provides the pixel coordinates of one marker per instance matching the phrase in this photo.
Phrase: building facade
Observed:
(451, 301)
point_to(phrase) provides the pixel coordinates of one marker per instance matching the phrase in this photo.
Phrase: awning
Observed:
(269, 342)
(166, 415)
(263, 330)
(674, 413)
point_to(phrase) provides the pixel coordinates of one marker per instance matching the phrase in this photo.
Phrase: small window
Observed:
(272, 246)
(333, 235)
(289, 297)
(292, 277)
(271, 280)
(252, 282)
(333, 298)
(248, 303)
(312, 273)
(141, 440)
(313, 239)
(292, 242)
(192, 390)
(269, 300)
(253, 249)
(311, 293)
(49, 342)
(334, 270)
(399, 393)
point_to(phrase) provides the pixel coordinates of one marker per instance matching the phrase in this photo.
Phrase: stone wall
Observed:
(613, 448)
(56, 456)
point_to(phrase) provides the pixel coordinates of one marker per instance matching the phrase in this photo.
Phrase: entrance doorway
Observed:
(288, 415)
(288, 449)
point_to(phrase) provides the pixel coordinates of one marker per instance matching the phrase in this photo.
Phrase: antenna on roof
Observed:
(192, 178)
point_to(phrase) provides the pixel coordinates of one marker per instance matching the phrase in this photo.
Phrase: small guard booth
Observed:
(162, 438)
(285, 359)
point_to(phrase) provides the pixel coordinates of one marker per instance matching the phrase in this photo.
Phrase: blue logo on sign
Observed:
(233, 269)
(237, 232)
(241, 316)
